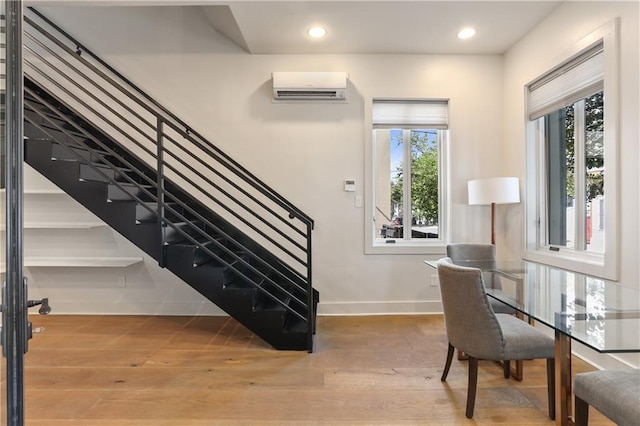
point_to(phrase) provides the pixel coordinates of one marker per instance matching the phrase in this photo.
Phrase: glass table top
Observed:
(598, 313)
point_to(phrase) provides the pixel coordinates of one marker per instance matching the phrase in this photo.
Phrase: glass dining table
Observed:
(600, 314)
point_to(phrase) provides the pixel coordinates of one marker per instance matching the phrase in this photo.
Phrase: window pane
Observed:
(575, 175)
(393, 218)
(559, 131)
(424, 183)
(594, 173)
(388, 180)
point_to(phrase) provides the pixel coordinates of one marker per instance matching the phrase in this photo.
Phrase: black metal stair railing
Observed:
(181, 158)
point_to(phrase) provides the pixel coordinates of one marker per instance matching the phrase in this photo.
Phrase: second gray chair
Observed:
(483, 253)
(475, 329)
(616, 394)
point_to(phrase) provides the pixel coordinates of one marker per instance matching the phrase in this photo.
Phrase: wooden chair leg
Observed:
(472, 386)
(582, 412)
(551, 388)
(448, 363)
(506, 366)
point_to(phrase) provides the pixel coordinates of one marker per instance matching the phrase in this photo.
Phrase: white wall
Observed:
(539, 51)
(535, 54)
(304, 151)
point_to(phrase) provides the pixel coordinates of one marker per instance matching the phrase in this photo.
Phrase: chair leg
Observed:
(551, 387)
(448, 363)
(582, 412)
(472, 386)
(506, 365)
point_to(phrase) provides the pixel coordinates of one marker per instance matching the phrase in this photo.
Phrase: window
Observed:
(571, 177)
(408, 168)
(574, 146)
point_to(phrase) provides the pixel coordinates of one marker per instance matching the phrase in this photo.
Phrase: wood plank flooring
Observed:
(201, 371)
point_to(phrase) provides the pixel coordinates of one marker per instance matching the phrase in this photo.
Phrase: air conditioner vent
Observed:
(310, 85)
(307, 94)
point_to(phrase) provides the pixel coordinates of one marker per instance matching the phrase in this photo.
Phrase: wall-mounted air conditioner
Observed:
(310, 86)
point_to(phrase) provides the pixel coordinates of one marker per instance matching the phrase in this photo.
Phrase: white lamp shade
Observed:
(499, 190)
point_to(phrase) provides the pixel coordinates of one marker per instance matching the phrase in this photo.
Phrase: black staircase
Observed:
(166, 188)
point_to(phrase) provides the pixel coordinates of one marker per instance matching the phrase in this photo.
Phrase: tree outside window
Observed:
(575, 174)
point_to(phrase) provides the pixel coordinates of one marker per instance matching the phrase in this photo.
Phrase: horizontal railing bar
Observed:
(152, 195)
(229, 181)
(91, 109)
(134, 104)
(87, 136)
(233, 198)
(229, 238)
(91, 81)
(239, 217)
(220, 158)
(249, 176)
(234, 255)
(138, 130)
(142, 174)
(82, 131)
(111, 181)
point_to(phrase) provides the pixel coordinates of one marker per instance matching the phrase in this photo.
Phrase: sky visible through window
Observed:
(396, 149)
(396, 152)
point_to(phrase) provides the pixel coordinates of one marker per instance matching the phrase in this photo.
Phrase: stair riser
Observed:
(104, 174)
(61, 152)
(175, 235)
(200, 256)
(144, 214)
(59, 129)
(34, 132)
(125, 193)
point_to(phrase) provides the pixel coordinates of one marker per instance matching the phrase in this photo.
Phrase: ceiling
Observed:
(401, 27)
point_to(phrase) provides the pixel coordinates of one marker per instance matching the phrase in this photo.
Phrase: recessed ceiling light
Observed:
(466, 33)
(316, 32)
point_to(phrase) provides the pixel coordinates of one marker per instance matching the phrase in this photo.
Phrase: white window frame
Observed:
(376, 245)
(601, 265)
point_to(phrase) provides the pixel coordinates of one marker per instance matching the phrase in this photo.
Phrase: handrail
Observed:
(133, 182)
(149, 181)
(81, 48)
(172, 161)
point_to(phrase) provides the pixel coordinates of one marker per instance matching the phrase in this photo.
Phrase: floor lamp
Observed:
(498, 190)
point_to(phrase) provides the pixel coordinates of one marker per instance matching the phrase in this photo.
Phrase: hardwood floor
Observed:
(197, 371)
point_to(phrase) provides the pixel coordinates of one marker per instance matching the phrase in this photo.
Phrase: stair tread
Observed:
(108, 166)
(268, 304)
(129, 184)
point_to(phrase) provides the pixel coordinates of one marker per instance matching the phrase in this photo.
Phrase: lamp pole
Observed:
(493, 223)
(492, 191)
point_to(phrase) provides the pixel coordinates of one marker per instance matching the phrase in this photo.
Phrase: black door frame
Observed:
(15, 328)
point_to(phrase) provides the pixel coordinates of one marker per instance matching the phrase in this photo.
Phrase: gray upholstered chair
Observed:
(481, 252)
(475, 329)
(616, 394)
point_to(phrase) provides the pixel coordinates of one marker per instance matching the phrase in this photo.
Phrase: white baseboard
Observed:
(123, 307)
(606, 361)
(411, 307)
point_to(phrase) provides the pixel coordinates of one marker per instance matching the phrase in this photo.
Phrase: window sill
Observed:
(587, 264)
(407, 247)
